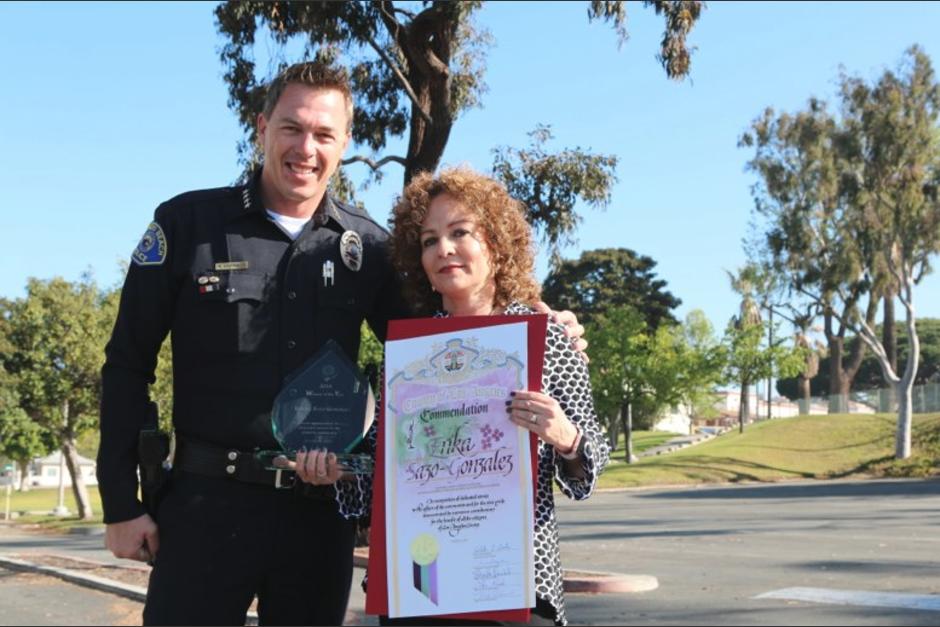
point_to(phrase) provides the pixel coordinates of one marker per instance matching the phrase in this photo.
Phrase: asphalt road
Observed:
(714, 551)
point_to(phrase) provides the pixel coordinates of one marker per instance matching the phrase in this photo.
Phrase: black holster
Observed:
(153, 449)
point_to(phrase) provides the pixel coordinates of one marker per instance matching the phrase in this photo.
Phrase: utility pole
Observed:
(770, 379)
(61, 509)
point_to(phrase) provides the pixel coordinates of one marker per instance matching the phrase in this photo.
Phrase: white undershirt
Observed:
(291, 226)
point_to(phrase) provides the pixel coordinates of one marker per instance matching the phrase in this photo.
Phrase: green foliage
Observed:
(869, 375)
(56, 335)
(749, 360)
(21, 438)
(703, 358)
(161, 390)
(891, 146)
(680, 16)
(371, 351)
(610, 277)
(617, 356)
(651, 370)
(549, 185)
(414, 67)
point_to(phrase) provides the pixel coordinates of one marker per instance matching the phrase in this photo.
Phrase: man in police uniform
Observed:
(251, 281)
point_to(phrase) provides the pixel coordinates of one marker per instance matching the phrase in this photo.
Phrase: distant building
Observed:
(675, 420)
(44, 471)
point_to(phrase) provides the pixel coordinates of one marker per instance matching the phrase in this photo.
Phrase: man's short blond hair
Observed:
(312, 74)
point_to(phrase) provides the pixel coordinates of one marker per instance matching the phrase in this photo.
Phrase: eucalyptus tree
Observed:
(852, 207)
(891, 130)
(415, 67)
(811, 233)
(549, 185)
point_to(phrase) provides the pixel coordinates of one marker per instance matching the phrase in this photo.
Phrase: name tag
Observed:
(230, 266)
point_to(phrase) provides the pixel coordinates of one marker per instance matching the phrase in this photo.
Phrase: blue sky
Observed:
(110, 108)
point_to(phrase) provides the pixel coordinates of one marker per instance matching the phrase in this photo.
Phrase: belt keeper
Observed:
(277, 480)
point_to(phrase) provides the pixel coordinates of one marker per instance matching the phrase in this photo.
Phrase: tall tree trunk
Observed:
(902, 449)
(613, 434)
(770, 379)
(70, 453)
(626, 417)
(890, 342)
(804, 388)
(803, 391)
(836, 342)
(842, 367)
(428, 47)
(902, 441)
(744, 408)
(24, 474)
(79, 490)
(904, 383)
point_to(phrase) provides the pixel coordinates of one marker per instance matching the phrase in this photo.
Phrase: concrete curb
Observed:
(134, 593)
(575, 581)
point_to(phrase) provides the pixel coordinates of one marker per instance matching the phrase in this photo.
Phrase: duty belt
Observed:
(213, 461)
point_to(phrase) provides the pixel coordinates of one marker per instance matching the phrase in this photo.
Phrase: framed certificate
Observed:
(453, 505)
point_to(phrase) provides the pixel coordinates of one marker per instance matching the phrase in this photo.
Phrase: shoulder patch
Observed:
(152, 249)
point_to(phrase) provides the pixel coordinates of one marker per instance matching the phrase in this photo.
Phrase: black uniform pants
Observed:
(223, 542)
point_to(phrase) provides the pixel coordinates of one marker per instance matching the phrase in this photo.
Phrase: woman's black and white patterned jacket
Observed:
(565, 378)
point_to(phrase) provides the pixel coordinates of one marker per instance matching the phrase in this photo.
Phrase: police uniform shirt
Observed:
(246, 306)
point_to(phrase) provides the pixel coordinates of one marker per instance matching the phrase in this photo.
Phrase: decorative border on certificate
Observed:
(458, 475)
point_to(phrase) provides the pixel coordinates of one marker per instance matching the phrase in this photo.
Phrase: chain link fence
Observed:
(925, 399)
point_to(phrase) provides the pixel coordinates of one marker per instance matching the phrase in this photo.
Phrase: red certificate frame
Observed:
(377, 593)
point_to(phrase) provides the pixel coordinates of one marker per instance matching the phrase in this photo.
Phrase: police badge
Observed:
(350, 250)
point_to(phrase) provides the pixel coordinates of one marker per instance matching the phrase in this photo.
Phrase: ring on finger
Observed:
(534, 419)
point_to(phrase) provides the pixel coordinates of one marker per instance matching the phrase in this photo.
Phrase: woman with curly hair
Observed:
(464, 248)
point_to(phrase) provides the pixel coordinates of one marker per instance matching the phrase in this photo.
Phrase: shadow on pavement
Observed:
(916, 487)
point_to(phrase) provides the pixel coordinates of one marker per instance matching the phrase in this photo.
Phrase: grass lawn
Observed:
(809, 447)
(36, 506)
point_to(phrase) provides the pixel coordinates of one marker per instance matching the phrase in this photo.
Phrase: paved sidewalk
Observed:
(677, 443)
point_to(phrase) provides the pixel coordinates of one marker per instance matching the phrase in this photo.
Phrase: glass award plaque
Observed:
(326, 404)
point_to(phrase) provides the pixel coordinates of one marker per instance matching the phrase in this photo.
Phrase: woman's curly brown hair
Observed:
(501, 219)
